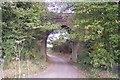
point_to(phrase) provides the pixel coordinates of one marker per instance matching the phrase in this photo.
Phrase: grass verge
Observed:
(22, 69)
(92, 72)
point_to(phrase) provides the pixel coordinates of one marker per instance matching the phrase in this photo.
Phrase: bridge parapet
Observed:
(63, 19)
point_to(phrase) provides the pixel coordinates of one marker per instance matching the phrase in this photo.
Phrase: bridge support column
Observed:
(74, 51)
(43, 48)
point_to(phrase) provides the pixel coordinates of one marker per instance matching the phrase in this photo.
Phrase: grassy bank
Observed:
(89, 70)
(92, 72)
(22, 69)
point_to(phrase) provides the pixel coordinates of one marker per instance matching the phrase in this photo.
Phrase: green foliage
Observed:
(97, 25)
(23, 26)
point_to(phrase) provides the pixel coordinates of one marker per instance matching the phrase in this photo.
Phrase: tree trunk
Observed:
(74, 52)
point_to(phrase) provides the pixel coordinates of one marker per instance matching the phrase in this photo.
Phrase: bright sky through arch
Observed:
(60, 7)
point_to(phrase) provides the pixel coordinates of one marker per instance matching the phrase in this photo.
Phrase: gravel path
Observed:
(60, 69)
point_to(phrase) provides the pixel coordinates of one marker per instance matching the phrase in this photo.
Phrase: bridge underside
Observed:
(65, 23)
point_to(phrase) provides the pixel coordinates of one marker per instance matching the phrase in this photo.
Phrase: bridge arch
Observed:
(67, 24)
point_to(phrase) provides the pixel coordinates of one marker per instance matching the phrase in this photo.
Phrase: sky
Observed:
(58, 7)
(56, 35)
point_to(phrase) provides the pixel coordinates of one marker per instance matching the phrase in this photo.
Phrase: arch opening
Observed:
(57, 39)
